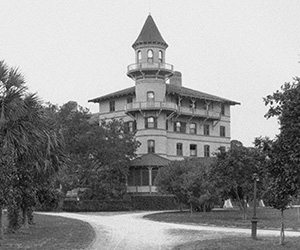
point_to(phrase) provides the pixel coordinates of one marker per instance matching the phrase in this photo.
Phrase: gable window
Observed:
(150, 56)
(193, 150)
(150, 122)
(206, 151)
(193, 128)
(150, 96)
(206, 129)
(222, 109)
(160, 56)
(112, 106)
(179, 149)
(151, 146)
(139, 56)
(222, 131)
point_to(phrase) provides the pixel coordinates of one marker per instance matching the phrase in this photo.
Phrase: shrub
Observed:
(154, 202)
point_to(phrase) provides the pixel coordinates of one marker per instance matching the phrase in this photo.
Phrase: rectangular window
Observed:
(222, 131)
(193, 128)
(193, 150)
(151, 122)
(222, 109)
(151, 146)
(167, 124)
(179, 149)
(112, 106)
(206, 151)
(206, 129)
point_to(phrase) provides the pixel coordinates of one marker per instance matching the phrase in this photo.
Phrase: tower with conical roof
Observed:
(150, 73)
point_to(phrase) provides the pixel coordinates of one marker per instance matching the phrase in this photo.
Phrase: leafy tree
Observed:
(189, 181)
(99, 154)
(233, 173)
(284, 151)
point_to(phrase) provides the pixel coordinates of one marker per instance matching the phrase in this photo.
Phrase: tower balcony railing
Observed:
(150, 66)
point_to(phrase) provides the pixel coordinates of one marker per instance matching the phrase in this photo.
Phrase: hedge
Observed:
(153, 202)
(135, 202)
(95, 205)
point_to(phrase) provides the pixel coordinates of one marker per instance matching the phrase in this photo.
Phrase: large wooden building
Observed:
(171, 121)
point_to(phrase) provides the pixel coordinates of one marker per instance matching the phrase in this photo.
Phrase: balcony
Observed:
(136, 106)
(200, 113)
(147, 70)
(172, 107)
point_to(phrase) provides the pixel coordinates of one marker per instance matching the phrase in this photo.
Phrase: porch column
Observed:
(150, 179)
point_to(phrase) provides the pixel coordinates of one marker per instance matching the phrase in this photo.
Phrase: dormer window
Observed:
(139, 56)
(150, 55)
(160, 56)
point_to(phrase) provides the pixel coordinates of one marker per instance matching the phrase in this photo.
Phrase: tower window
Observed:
(222, 131)
(206, 129)
(151, 146)
(193, 128)
(179, 149)
(112, 106)
(206, 151)
(160, 56)
(193, 150)
(150, 96)
(139, 56)
(150, 56)
(150, 122)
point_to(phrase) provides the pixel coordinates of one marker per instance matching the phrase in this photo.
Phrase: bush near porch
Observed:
(135, 202)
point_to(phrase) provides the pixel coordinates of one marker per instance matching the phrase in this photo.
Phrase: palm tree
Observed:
(29, 142)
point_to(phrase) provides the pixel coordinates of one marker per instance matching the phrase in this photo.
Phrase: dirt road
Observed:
(129, 231)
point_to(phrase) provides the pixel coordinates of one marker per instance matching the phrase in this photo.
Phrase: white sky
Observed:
(78, 50)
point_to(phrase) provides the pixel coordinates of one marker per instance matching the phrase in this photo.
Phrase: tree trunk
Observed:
(25, 217)
(281, 240)
(1, 224)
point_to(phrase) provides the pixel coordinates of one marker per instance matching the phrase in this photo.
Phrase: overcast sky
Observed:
(79, 50)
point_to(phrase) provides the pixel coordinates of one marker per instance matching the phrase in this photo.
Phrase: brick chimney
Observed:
(176, 79)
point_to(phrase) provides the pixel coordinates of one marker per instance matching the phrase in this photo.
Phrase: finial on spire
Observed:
(149, 4)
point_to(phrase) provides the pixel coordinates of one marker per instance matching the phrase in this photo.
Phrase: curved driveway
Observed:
(129, 231)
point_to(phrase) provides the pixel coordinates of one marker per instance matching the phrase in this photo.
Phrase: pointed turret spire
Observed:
(150, 35)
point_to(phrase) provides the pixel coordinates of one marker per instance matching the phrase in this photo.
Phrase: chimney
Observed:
(176, 79)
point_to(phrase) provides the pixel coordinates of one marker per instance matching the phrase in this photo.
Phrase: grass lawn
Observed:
(267, 218)
(50, 233)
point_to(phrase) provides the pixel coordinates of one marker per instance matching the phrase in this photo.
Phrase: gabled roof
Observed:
(123, 92)
(150, 160)
(150, 34)
(171, 89)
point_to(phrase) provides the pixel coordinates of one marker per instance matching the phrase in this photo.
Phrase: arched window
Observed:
(150, 96)
(139, 56)
(160, 56)
(150, 55)
(178, 126)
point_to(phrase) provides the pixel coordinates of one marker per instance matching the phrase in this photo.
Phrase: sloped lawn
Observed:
(268, 218)
(50, 233)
